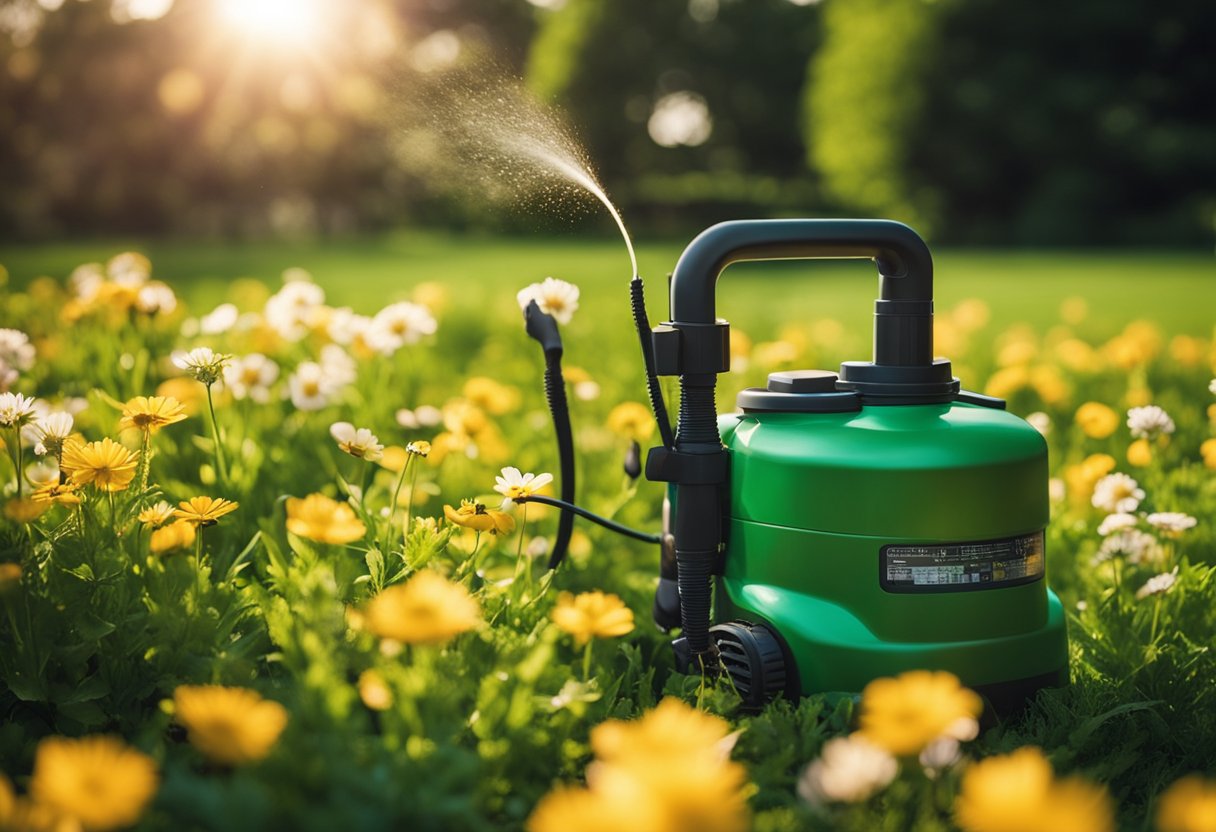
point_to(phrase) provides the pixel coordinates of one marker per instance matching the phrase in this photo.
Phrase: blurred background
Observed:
(979, 122)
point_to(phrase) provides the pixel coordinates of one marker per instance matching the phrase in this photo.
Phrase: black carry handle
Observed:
(903, 328)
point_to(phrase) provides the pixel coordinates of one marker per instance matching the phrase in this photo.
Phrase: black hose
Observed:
(645, 537)
(637, 302)
(555, 393)
(543, 329)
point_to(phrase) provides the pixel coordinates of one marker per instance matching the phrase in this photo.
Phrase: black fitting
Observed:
(692, 349)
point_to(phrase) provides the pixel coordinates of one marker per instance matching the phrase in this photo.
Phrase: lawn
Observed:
(344, 647)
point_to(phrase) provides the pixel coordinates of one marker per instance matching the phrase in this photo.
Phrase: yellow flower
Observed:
(97, 781)
(204, 511)
(179, 535)
(906, 713)
(475, 516)
(1139, 453)
(1082, 477)
(671, 730)
(427, 609)
(592, 615)
(151, 414)
(374, 691)
(1007, 381)
(25, 509)
(10, 578)
(188, 394)
(394, 458)
(1096, 420)
(106, 464)
(63, 494)
(1017, 793)
(231, 726)
(631, 420)
(156, 515)
(676, 759)
(1189, 805)
(319, 518)
(1208, 450)
(566, 808)
(490, 395)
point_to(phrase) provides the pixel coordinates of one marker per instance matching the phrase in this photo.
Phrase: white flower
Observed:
(16, 410)
(1149, 422)
(939, 755)
(310, 387)
(8, 377)
(1171, 523)
(1212, 387)
(86, 281)
(1117, 493)
(155, 298)
(339, 366)
(290, 310)
(554, 297)
(1040, 421)
(16, 351)
(1116, 523)
(1134, 545)
(849, 770)
(1056, 490)
(129, 269)
(219, 320)
(587, 391)
(360, 443)
(1157, 584)
(201, 364)
(513, 484)
(42, 472)
(399, 324)
(424, 416)
(250, 377)
(52, 431)
(345, 325)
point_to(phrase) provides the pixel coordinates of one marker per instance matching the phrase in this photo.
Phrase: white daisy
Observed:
(358, 442)
(1171, 523)
(310, 387)
(1149, 422)
(1117, 523)
(16, 410)
(400, 324)
(250, 377)
(52, 431)
(849, 770)
(1158, 584)
(290, 310)
(1212, 387)
(130, 269)
(512, 484)
(1117, 493)
(1133, 545)
(16, 351)
(339, 366)
(201, 364)
(155, 298)
(219, 320)
(423, 416)
(554, 297)
(86, 281)
(345, 326)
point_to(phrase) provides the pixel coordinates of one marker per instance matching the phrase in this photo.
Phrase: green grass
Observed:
(1119, 286)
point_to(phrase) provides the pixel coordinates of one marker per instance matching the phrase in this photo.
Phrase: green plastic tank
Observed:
(857, 524)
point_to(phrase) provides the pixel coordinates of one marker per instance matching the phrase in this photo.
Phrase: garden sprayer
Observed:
(840, 526)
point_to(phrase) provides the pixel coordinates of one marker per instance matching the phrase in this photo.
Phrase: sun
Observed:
(288, 22)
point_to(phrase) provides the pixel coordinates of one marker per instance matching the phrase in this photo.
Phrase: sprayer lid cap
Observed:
(802, 381)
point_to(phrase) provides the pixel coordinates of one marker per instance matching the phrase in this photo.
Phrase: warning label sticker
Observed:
(955, 567)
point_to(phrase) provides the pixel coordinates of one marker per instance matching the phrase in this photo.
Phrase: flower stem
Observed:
(144, 462)
(523, 527)
(20, 462)
(409, 505)
(587, 659)
(392, 509)
(220, 466)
